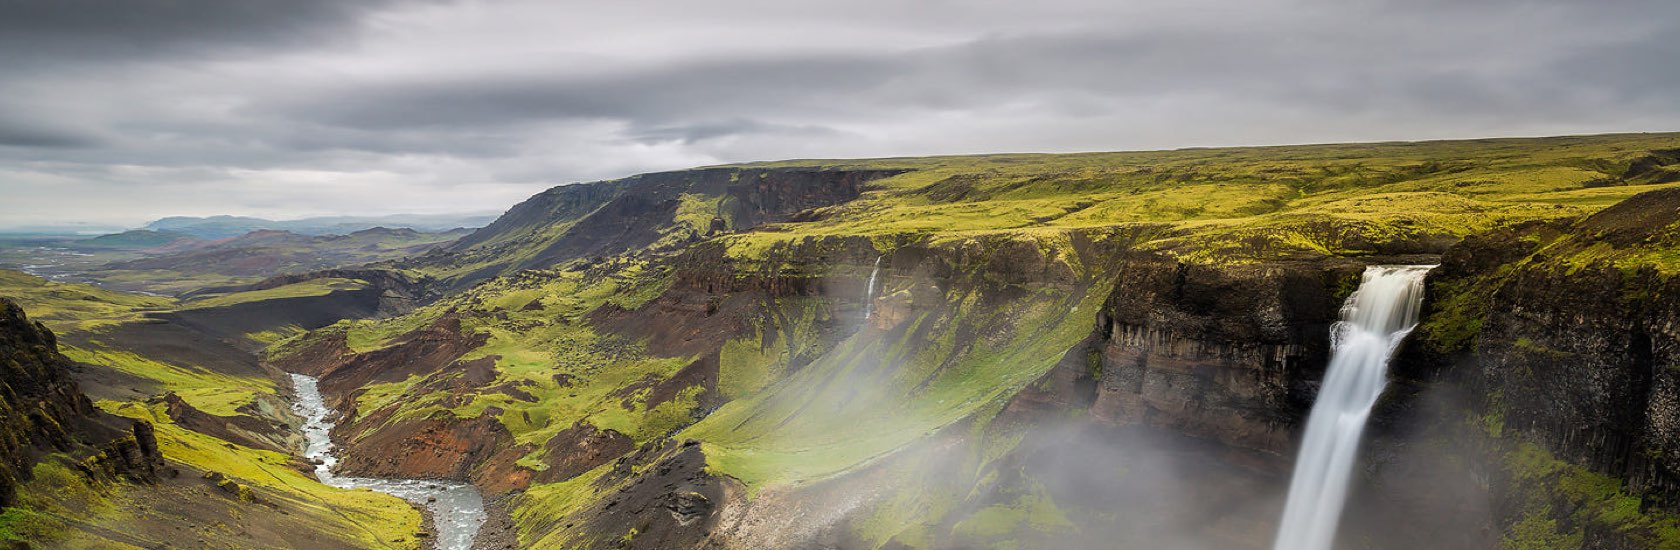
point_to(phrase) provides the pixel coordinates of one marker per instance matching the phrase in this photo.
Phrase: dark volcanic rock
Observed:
(1563, 336)
(1585, 357)
(42, 411)
(672, 502)
(1227, 353)
(437, 447)
(581, 448)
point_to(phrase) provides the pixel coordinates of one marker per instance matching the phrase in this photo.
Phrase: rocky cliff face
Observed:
(1231, 354)
(43, 412)
(1051, 386)
(1583, 353)
(1562, 338)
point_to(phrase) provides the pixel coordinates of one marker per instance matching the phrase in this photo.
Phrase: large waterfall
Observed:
(1374, 319)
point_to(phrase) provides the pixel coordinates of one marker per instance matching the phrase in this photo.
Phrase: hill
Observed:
(1025, 350)
(950, 351)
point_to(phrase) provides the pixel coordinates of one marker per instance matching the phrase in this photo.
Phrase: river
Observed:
(457, 508)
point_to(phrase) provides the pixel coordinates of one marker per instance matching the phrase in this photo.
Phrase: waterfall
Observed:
(1374, 320)
(869, 293)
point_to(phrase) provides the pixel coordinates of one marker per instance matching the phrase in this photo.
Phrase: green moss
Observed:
(1556, 494)
(66, 307)
(275, 335)
(362, 336)
(1033, 510)
(355, 515)
(745, 366)
(871, 395)
(1538, 531)
(1236, 204)
(312, 287)
(55, 494)
(537, 510)
(24, 525)
(206, 390)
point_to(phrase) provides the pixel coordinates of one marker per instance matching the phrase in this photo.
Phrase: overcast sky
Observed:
(121, 112)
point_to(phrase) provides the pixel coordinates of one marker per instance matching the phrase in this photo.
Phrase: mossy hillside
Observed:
(171, 282)
(209, 391)
(1555, 501)
(946, 490)
(65, 307)
(1558, 501)
(555, 320)
(1244, 204)
(88, 314)
(979, 340)
(1638, 238)
(648, 213)
(55, 496)
(312, 287)
(492, 256)
(552, 368)
(556, 366)
(373, 520)
(539, 511)
(82, 313)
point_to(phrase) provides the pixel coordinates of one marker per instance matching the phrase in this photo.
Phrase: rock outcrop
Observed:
(1562, 341)
(43, 412)
(1229, 353)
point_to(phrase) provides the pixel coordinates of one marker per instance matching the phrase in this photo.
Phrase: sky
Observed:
(122, 112)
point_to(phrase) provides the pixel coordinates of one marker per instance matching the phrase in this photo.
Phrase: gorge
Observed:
(1167, 349)
(456, 509)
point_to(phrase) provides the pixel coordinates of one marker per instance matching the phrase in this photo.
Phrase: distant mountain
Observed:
(222, 227)
(137, 238)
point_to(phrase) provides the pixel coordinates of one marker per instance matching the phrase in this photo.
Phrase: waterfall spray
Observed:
(1374, 320)
(869, 293)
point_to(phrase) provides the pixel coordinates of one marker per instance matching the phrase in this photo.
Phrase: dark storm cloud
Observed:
(101, 30)
(315, 106)
(20, 133)
(643, 95)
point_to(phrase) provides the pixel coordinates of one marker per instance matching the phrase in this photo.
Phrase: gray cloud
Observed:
(97, 30)
(123, 112)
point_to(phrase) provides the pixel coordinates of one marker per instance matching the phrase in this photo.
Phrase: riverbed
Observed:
(457, 508)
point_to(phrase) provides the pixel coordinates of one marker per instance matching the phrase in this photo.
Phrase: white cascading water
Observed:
(1374, 320)
(869, 293)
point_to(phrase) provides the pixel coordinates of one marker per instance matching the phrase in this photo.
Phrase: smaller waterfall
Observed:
(1374, 320)
(869, 293)
(457, 508)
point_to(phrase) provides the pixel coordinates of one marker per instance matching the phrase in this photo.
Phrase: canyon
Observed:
(1077, 351)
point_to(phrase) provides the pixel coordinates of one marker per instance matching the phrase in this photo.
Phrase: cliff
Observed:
(1069, 351)
(42, 413)
(1563, 337)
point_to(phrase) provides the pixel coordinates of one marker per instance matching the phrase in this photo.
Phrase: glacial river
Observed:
(457, 508)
